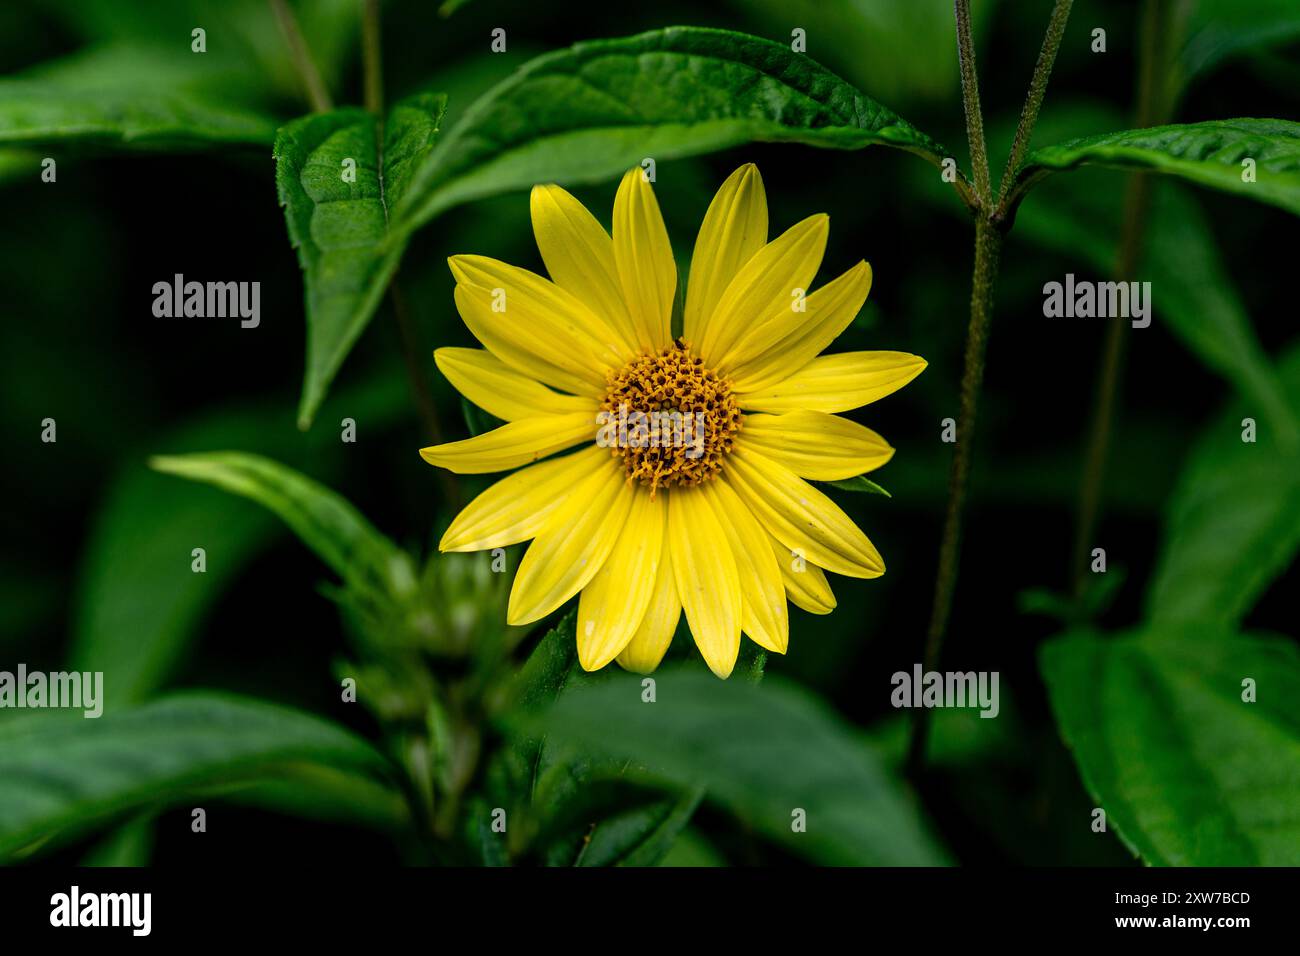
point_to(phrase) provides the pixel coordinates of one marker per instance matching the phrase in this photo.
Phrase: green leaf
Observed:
(131, 844)
(553, 778)
(597, 109)
(1209, 153)
(760, 750)
(539, 683)
(138, 604)
(340, 228)
(61, 775)
(1188, 773)
(1233, 521)
(861, 483)
(247, 57)
(450, 6)
(338, 534)
(137, 600)
(1220, 29)
(1098, 595)
(314, 791)
(692, 849)
(896, 50)
(641, 835)
(580, 115)
(1195, 297)
(125, 97)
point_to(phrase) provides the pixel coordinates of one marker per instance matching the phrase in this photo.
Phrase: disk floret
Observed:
(671, 418)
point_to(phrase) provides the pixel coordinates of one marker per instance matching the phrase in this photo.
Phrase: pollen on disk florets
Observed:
(670, 418)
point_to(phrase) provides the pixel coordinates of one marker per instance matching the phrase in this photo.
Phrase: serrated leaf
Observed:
(1208, 153)
(760, 750)
(333, 529)
(595, 110)
(582, 115)
(861, 483)
(1189, 773)
(61, 775)
(1233, 522)
(339, 227)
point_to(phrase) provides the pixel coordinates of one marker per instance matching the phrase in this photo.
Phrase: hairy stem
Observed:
(970, 95)
(988, 246)
(1037, 90)
(317, 95)
(1152, 109)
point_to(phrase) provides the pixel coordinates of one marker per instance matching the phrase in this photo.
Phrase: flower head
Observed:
(689, 486)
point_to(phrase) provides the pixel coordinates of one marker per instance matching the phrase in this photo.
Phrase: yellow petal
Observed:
(734, 229)
(571, 548)
(516, 508)
(644, 257)
(579, 256)
(513, 445)
(800, 516)
(805, 584)
(614, 602)
(519, 347)
(763, 614)
(837, 383)
(707, 581)
(765, 286)
(541, 307)
(650, 642)
(774, 350)
(499, 390)
(815, 445)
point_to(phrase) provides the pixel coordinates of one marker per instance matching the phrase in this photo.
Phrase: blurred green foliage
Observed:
(465, 715)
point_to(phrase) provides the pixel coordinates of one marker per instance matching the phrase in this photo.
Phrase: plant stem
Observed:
(989, 227)
(1037, 90)
(371, 58)
(372, 68)
(419, 383)
(988, 246)
(1137, 201)
(1152, 108)
(317, 94)
(970, 93)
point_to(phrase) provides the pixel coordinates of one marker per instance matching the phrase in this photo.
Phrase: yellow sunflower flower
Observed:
(687, 491)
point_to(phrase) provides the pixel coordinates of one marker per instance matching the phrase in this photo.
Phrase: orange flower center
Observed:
(670, 418)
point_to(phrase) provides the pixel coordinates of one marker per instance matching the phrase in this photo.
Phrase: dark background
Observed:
(79, 343)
